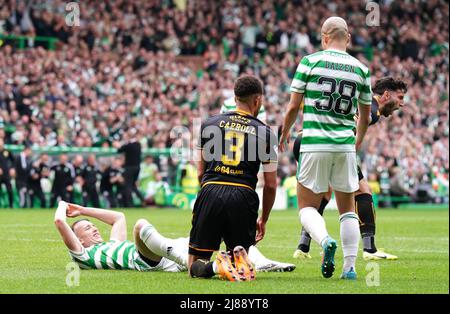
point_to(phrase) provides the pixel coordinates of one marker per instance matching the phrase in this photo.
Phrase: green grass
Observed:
(33, 259)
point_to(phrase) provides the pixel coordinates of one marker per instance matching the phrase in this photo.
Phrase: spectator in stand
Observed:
(117, 181)
(89, 175)
(63, 180)
(22, 165)
(106, 187)
(6, 165)
(122, 64)
(34, 183)
(132, 151)
(148, 179)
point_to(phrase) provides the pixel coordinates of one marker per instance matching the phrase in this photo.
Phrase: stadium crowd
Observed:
(124, 68)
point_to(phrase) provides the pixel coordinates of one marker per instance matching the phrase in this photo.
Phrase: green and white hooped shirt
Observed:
(333, 83)
(112, 254)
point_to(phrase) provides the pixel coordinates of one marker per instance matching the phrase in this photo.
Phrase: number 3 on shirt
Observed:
(236, 140)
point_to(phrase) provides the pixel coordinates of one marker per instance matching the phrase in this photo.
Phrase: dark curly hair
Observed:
(389, 83)
(247, 85)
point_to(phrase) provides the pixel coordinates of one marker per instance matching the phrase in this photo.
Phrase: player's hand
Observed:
(70, 188)
(73, 210)
(12, 173)
(260, 230)
(284, 141)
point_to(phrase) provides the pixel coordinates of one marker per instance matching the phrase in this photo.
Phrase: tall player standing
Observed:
(333, 85)
(389, 94)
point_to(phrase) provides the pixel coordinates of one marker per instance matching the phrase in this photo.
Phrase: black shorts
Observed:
(223, 212)
(147, 260)
(296, 147)
(360, 174)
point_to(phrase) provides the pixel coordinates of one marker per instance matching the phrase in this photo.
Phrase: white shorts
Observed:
(319, 170)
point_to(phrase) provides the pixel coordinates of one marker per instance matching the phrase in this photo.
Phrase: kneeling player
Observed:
(233, 146)
(389, 98)
(150, 252)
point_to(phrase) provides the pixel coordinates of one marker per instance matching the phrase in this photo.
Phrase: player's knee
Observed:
(328, 194)
(139, 225)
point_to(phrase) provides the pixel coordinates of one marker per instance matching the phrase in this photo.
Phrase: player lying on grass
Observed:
(389, 94)
(150, 251)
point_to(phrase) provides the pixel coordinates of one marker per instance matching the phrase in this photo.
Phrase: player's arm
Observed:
(362, 124)
(70, 239)
(201, 163)
(298, 86)
(270, 186)
(364, 109)
(269, 194)
(113, 218)
(291, 115)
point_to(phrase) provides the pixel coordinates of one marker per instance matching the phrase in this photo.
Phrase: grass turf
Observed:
(33, 259)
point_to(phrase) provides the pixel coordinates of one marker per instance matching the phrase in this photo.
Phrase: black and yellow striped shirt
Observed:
(234, 145)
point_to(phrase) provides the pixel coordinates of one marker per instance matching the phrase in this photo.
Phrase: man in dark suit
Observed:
(22, 165)
(6, 169)
(132, 151)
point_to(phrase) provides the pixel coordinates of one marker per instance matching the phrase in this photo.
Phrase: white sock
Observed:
(215, 268)
(349, 238)
(314, 223)
(162, 246)
(255, 256)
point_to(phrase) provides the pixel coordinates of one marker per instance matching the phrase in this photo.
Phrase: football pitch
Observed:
(33, 259)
